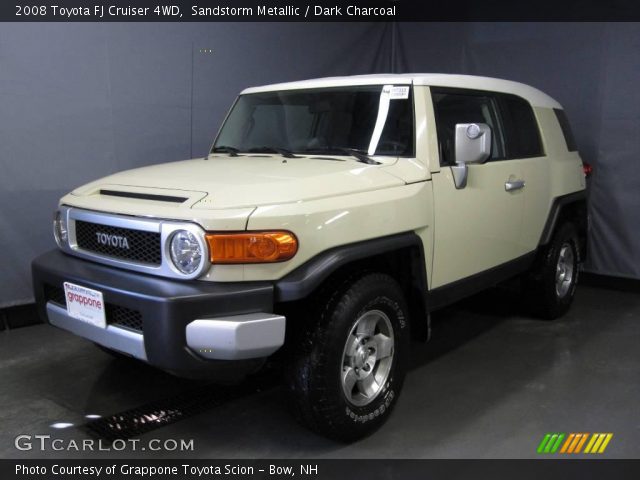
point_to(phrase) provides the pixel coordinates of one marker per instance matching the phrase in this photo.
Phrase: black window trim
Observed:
(501, 108)
(565, 128)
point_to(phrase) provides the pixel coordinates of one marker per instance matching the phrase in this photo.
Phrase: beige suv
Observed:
(329, 219)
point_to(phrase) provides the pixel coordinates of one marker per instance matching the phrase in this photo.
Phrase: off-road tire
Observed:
(542, 294)
(315, 379)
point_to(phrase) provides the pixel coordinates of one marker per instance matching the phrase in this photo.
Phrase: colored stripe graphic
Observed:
(574, 443)
(556, 443)
(594, 437)
(543, 443)
(598, 443)
(581, 443)
(550, 443)
(568, 442)
(605, 443)
(576, 440)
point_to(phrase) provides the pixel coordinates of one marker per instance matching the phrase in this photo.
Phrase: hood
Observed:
(222, 182)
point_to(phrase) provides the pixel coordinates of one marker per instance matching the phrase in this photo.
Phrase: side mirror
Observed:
(473, 145)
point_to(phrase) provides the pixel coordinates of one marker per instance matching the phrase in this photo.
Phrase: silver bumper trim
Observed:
(112, 337)
(237, 337)
(166, 229)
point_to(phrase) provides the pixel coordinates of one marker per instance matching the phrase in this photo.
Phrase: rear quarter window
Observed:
(521, 128)
(566, 129)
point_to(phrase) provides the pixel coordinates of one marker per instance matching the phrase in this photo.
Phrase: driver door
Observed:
(477, 227)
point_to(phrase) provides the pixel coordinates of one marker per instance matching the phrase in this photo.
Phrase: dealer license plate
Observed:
(85, 304)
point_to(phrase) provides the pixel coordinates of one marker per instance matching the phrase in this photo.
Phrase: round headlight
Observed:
(60, 229)
(186, 252)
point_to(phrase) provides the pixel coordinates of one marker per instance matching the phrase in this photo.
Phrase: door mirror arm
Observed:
(460, 173)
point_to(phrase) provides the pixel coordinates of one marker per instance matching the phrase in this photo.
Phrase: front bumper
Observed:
(191, 328)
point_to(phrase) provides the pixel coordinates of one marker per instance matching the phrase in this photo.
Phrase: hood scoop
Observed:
(144, 196)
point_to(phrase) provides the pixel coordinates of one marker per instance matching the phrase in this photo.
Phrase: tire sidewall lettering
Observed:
(388, 397)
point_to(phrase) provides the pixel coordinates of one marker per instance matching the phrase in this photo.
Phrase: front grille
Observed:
(141, 246)
(55, 295)
(116, 315)
(124, 317)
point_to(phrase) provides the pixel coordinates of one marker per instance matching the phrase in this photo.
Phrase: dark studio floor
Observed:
(490, 384)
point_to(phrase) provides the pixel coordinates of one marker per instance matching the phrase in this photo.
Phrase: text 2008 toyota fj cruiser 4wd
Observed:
(330, 217)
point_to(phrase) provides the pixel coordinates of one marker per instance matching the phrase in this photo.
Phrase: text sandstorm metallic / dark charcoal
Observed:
(141, 246)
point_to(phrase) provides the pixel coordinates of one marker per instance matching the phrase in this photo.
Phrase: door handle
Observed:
(512, 185)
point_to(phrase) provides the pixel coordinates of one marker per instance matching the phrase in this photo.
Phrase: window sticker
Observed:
(399, 93)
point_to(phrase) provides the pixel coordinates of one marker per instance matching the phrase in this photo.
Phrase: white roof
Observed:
(533, 95)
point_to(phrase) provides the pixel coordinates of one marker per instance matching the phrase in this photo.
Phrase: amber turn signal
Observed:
(252, 247)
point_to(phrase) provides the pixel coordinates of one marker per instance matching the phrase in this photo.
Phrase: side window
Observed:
(566, 129)
(452, 108)
(522, 136)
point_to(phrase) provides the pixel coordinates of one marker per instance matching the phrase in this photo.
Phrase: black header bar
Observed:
(316, 11)
(309, 469)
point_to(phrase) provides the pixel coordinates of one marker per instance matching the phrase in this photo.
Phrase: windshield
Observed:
(374, 120)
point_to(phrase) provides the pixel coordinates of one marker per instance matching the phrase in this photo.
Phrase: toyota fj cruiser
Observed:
(329, 219)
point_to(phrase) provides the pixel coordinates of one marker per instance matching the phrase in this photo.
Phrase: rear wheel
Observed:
(349, 363)
(551, 284)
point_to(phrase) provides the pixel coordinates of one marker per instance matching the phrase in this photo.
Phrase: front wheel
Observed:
(349, 363)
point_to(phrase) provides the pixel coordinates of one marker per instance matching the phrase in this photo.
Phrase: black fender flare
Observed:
(555, 212)
(302, 281)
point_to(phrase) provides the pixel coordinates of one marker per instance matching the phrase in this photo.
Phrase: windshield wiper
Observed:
(282, 151)
(357, 154)
(362, 157)
(232, 151)
(315, 153)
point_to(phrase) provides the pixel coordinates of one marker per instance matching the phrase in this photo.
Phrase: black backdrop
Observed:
(593, 70)
(78, 101)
